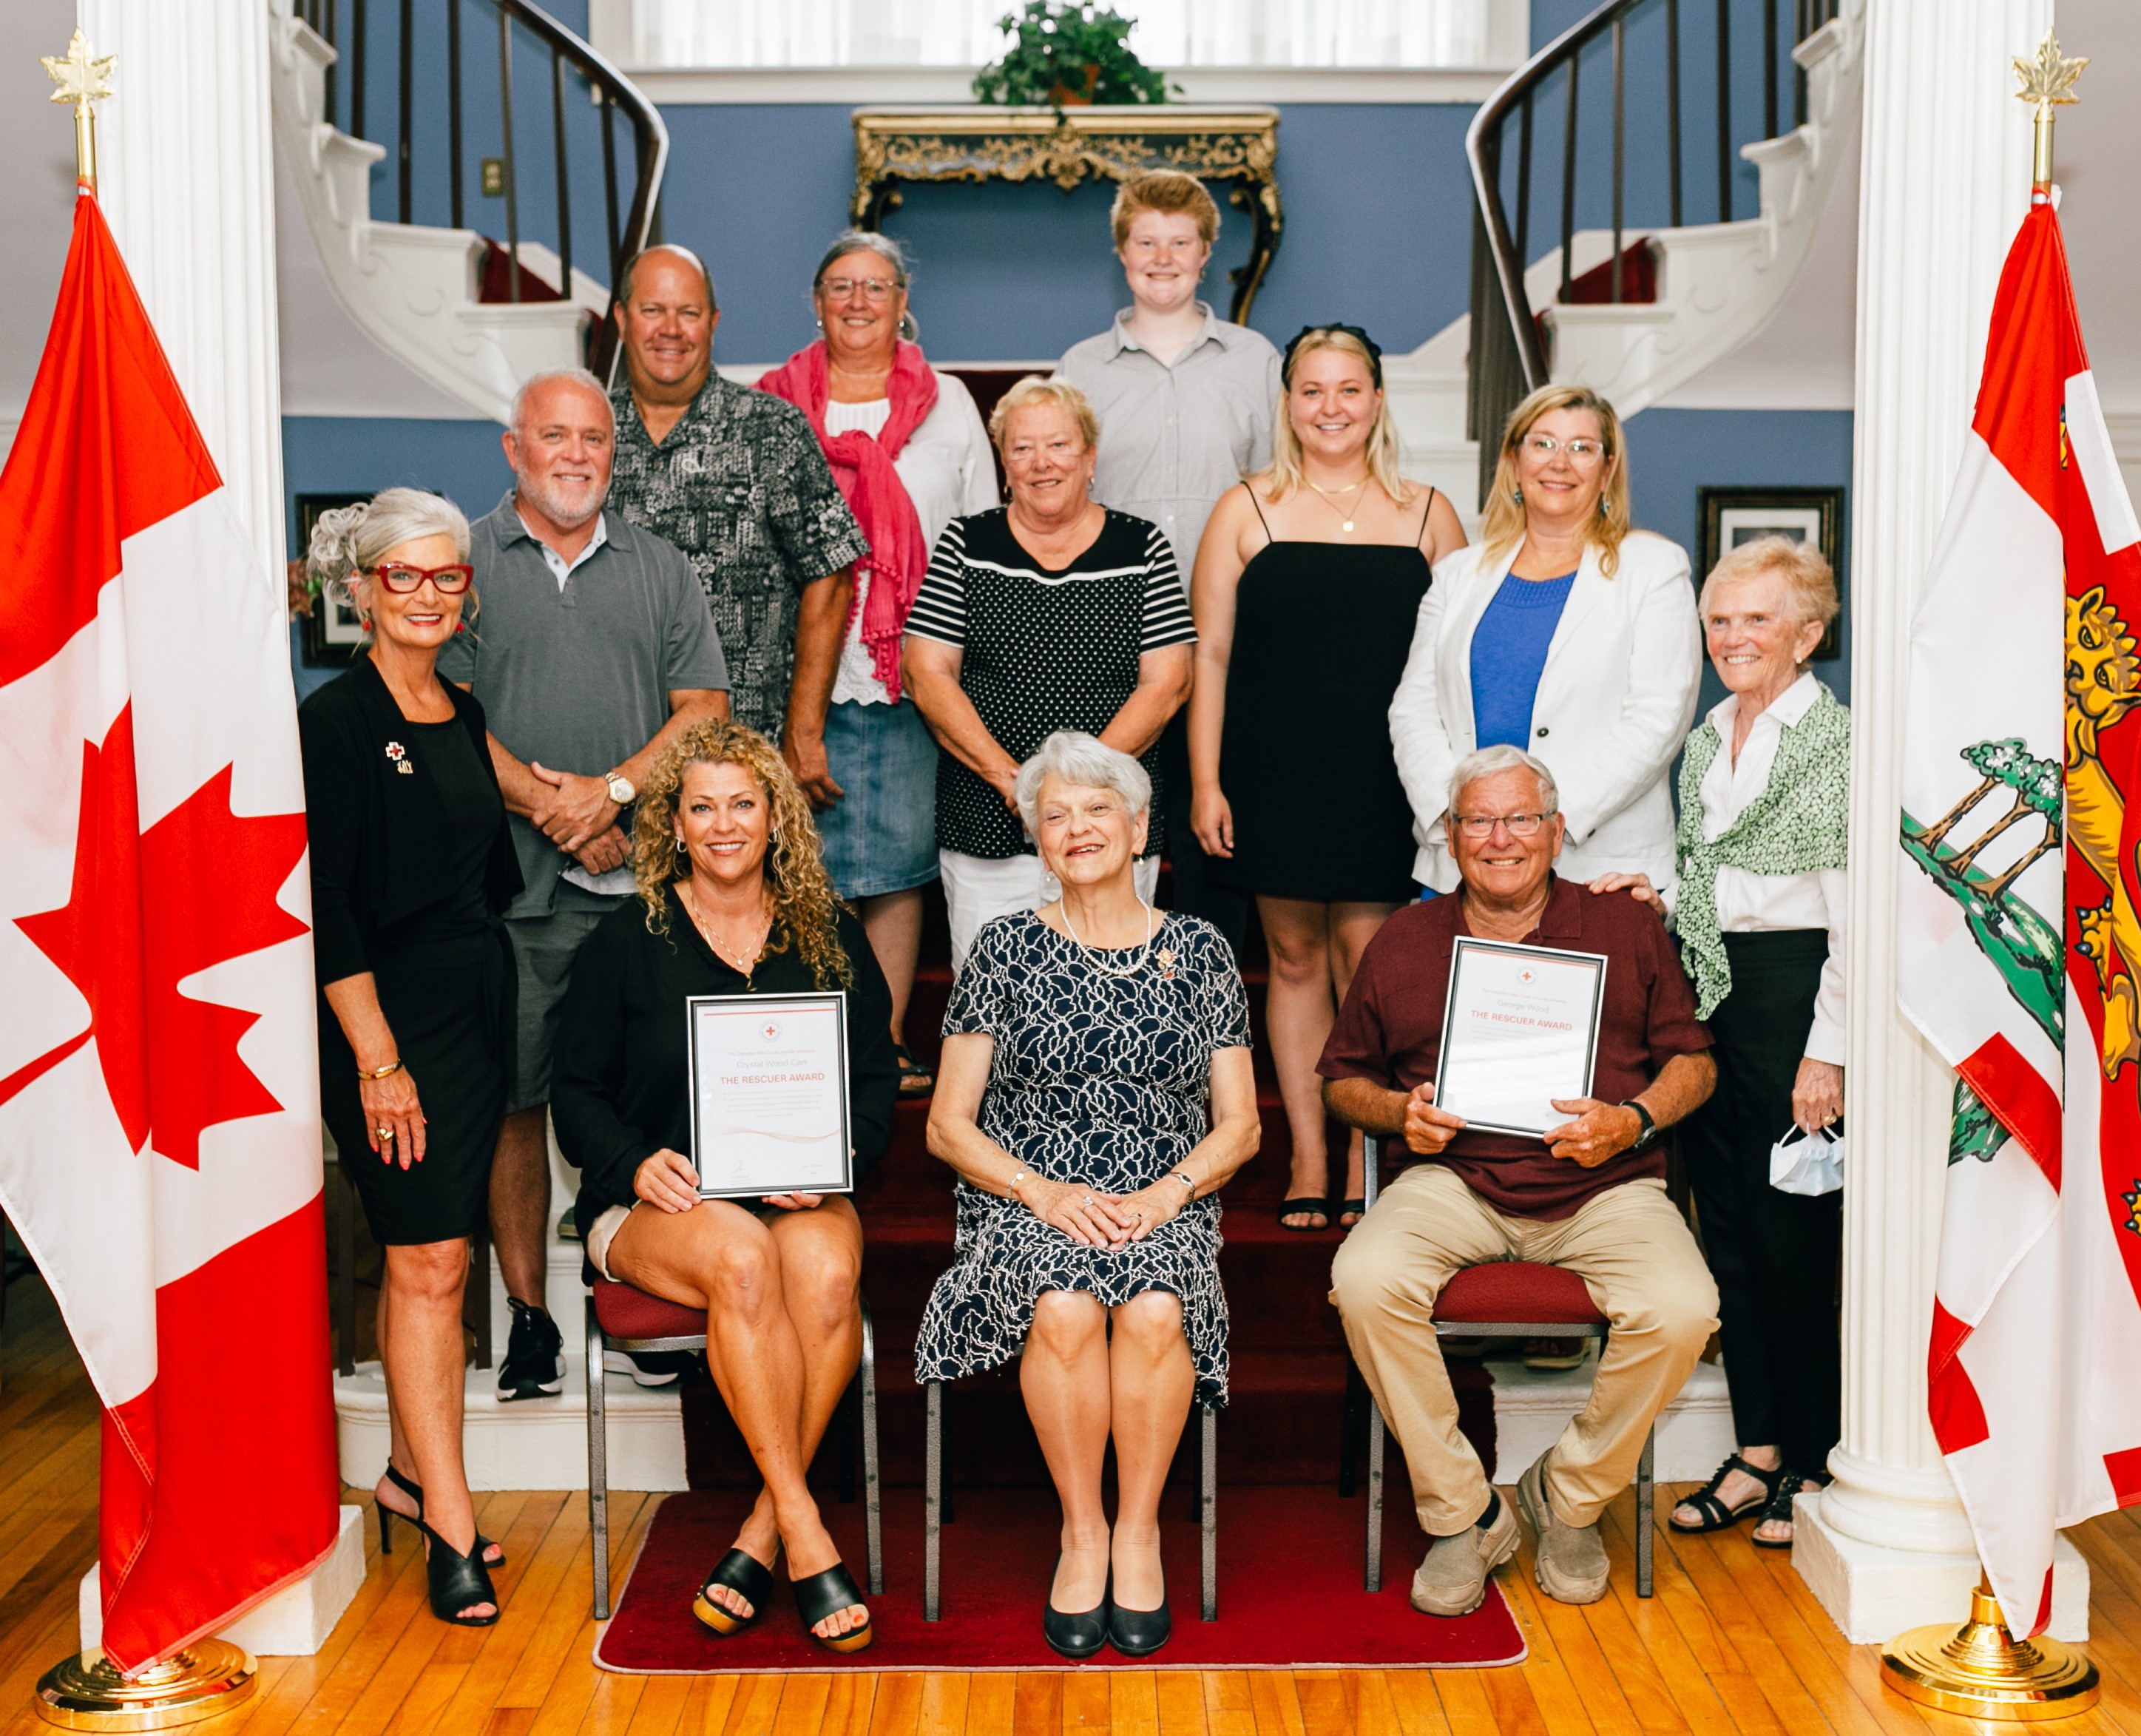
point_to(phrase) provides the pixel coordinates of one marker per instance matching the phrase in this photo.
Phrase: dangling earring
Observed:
(1517, 495)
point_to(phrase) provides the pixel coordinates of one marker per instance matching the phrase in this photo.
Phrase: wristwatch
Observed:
(1650, 1127)
(621, 788)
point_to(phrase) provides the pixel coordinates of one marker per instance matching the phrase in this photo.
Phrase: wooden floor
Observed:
(1733, 1642)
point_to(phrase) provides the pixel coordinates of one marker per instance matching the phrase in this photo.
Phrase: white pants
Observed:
(979, 889)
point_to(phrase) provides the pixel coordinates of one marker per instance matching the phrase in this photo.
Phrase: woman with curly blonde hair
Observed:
(733, 900)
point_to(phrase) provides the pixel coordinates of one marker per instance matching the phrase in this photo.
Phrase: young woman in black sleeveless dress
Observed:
(1307, 584)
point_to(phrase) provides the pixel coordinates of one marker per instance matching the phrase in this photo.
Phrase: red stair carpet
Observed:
(1290, 1593)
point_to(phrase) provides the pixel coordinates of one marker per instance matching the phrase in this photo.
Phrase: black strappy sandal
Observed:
(457, 1580)
(414, 1490)
(915, 1080)
(1716, 1517)
(1778, 1510)
(1301, 1207)
(748, 1578)
(827, 1594)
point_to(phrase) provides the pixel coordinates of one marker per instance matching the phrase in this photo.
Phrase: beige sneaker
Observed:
(1452, 1579)
(1572, 1559)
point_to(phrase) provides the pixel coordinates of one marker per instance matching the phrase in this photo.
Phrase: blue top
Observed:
(1509, 652)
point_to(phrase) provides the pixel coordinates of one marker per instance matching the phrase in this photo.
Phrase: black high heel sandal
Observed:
(826, 1594)
(1080, 1633)
(748, 1578)
(457, 1580)
(414, 1490)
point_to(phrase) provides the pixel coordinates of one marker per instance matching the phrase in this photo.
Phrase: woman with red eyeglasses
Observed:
(412, 868)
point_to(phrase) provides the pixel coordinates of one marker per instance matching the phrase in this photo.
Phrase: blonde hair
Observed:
(1284, 476)
(805, 909)
(348, 542)
(1502, 519)
(1167, 191)
(1041, 389)
(1808, 581)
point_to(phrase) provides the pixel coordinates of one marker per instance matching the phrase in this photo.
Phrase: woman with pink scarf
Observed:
(909, 452)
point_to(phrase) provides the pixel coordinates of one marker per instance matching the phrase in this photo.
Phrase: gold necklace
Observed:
(743, 967)
(1345, 523)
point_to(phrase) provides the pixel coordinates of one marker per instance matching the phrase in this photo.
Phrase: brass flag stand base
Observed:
(1977, 1670)
(86, 1693)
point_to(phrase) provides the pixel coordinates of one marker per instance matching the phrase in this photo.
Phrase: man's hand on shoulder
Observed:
(1599, 1131)
(1429, 1130)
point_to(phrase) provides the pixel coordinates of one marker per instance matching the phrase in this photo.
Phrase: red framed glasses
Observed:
(447, 580)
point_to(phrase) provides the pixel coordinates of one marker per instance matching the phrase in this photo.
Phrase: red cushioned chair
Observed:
(1508, 1299)
(621, 1318)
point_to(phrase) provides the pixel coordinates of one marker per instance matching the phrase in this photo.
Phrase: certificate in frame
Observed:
(768, 1084)
(1519, 1027)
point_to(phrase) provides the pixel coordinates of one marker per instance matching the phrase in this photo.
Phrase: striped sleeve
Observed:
(940, 606)
(1167, 619)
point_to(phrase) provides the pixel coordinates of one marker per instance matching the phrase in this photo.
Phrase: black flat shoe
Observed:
(1075, 1635)
(826, 1594)
(1779, 1511)
(1716, 1517)
(750, 1578)
(1138, 1633)
(493, 1555)
(455, 1581)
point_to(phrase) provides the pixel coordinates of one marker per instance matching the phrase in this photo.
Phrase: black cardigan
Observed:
(619, 1085)
(376, 832)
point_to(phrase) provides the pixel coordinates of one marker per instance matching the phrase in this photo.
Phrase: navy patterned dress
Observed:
(1101, 1080)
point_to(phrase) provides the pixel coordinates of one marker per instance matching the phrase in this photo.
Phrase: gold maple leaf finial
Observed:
(2047, 83)
(83, 80)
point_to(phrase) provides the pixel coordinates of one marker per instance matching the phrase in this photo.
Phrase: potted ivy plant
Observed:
(1069, 54)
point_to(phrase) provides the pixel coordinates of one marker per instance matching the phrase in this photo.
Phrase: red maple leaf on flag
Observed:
(148, 909)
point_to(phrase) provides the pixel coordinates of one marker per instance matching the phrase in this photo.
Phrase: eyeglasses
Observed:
(448, 580)
(876, 289)
(1518, 825)
(1581, 453)
(1144, 247)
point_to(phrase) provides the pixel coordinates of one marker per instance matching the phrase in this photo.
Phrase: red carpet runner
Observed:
(1290, 1591)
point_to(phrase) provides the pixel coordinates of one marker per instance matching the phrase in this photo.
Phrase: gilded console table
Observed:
(985, 143)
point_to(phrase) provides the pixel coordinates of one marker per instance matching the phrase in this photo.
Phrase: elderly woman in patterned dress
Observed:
(1095, 1094)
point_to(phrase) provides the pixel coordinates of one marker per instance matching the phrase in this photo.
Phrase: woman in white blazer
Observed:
(1565, 632)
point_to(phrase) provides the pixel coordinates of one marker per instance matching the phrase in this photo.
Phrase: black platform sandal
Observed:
(827, 1594)
(493, 1555)
(1075, 1634)
(1716, 1517)
(1778, 1510)
(748, 1578)
(457, 1580)
(915, 1080)
(1301, 1207)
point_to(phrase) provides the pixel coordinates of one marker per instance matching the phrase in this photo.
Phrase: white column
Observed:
(187, 183)
(1944, 182)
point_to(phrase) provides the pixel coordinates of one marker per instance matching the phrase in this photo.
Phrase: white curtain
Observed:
(1169, 33)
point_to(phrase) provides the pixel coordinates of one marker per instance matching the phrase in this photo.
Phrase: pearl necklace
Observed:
(1131, 969)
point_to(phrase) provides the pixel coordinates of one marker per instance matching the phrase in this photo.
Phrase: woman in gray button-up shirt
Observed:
(1185, 402)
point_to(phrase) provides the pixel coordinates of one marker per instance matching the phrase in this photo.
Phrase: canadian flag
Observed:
(159, 1137)
(2018, 958)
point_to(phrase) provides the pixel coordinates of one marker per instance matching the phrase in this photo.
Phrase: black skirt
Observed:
(449, 1002)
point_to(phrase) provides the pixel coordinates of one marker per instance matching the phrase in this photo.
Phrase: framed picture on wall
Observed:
(1731, 516)
(332, 630)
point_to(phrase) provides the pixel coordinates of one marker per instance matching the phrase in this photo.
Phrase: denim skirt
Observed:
(881, 837)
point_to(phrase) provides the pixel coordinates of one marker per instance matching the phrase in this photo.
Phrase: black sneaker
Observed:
(534, 1363)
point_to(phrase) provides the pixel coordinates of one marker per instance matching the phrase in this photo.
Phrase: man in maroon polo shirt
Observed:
(1590, 1195)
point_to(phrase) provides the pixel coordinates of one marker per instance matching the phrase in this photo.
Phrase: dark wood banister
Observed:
(1482, 149)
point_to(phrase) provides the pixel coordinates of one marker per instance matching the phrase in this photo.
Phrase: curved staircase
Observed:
(1684, 295)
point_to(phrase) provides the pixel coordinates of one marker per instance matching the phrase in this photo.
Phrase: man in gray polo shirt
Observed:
(591, 648)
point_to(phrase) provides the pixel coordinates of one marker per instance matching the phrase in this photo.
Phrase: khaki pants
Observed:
(1637, 1258)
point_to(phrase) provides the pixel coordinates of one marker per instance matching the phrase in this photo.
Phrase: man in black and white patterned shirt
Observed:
(735, 478)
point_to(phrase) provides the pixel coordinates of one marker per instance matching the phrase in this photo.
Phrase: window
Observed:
(1370, 35)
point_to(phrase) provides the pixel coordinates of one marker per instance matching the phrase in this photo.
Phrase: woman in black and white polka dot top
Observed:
(1051, 613)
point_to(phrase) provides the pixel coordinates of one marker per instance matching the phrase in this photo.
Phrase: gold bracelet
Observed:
(376, 1074)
